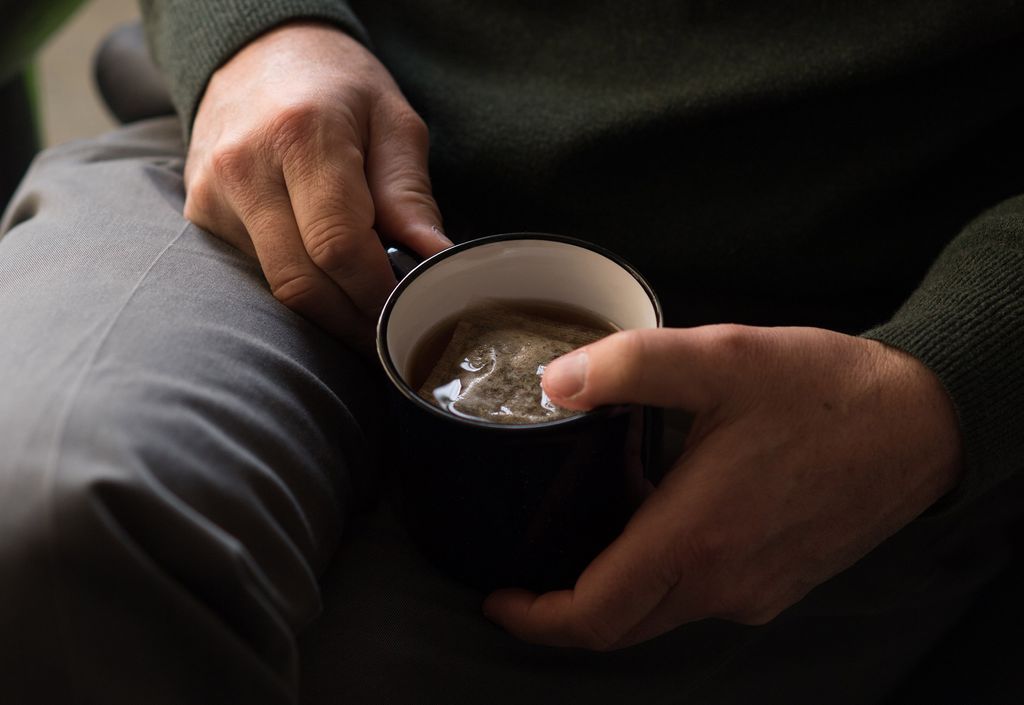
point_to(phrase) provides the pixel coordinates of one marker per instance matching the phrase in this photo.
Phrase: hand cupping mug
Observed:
(497, 485)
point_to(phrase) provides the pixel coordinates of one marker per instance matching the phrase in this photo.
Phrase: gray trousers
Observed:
(182, 459)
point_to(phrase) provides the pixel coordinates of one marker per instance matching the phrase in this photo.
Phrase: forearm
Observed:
(966, 323)
(190, 39)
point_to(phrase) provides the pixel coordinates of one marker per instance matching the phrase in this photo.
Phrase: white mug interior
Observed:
(524, 269)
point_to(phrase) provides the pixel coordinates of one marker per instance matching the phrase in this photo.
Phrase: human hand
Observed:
(808, 449)
(305, 154)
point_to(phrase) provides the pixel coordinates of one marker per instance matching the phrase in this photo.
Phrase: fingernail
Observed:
(566, 376)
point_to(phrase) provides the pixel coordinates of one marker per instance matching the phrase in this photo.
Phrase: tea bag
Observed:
(491, 369)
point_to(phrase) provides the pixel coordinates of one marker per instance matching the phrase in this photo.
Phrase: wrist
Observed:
(308, 39)
(931, 422)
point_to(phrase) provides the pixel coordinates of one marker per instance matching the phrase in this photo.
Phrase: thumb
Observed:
(396, 172)
(667, 367)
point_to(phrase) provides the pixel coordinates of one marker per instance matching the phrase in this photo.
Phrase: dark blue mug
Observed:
(502, 505)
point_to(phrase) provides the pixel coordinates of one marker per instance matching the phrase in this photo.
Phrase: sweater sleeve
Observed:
(190, 39)
(966, 323)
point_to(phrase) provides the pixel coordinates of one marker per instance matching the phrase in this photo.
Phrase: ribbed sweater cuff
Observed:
(966, 324)
(190, 39)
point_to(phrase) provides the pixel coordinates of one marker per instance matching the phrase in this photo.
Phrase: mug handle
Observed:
(402, 260)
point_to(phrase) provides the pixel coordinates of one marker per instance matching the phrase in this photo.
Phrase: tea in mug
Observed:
(486, 362)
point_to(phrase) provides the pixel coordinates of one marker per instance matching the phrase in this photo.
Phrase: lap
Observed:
(174, 439)
(395, 630)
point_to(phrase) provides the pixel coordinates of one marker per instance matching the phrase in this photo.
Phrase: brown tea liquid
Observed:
(428, 351)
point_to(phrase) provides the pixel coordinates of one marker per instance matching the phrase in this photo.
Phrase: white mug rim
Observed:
(398, 380)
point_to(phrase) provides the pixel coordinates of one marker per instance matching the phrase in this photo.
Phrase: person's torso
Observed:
(791, 162)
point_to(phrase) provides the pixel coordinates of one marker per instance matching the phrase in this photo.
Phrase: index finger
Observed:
(334, 212)
(294, 280)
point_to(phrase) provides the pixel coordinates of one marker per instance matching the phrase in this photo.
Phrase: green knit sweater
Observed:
(852, 165)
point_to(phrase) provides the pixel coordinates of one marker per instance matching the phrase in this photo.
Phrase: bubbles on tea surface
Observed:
(448, 393)
(492, 366)
(471, 366)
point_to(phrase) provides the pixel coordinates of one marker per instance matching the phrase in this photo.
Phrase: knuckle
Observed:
(665, 569)
(755, 615)
(332, 247)
(295, 125)
(310, 125)
(201, 201)
(630, 351)
(737, 343)
(399, 120)
(753, 601)
(594, 634)
(737, 603)
(412, 126)
(745, 357)
(296, 290)
(408, 186)
(233, 163)
(350, 159)
(699, 553)
(632, 341)
(420, 198)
